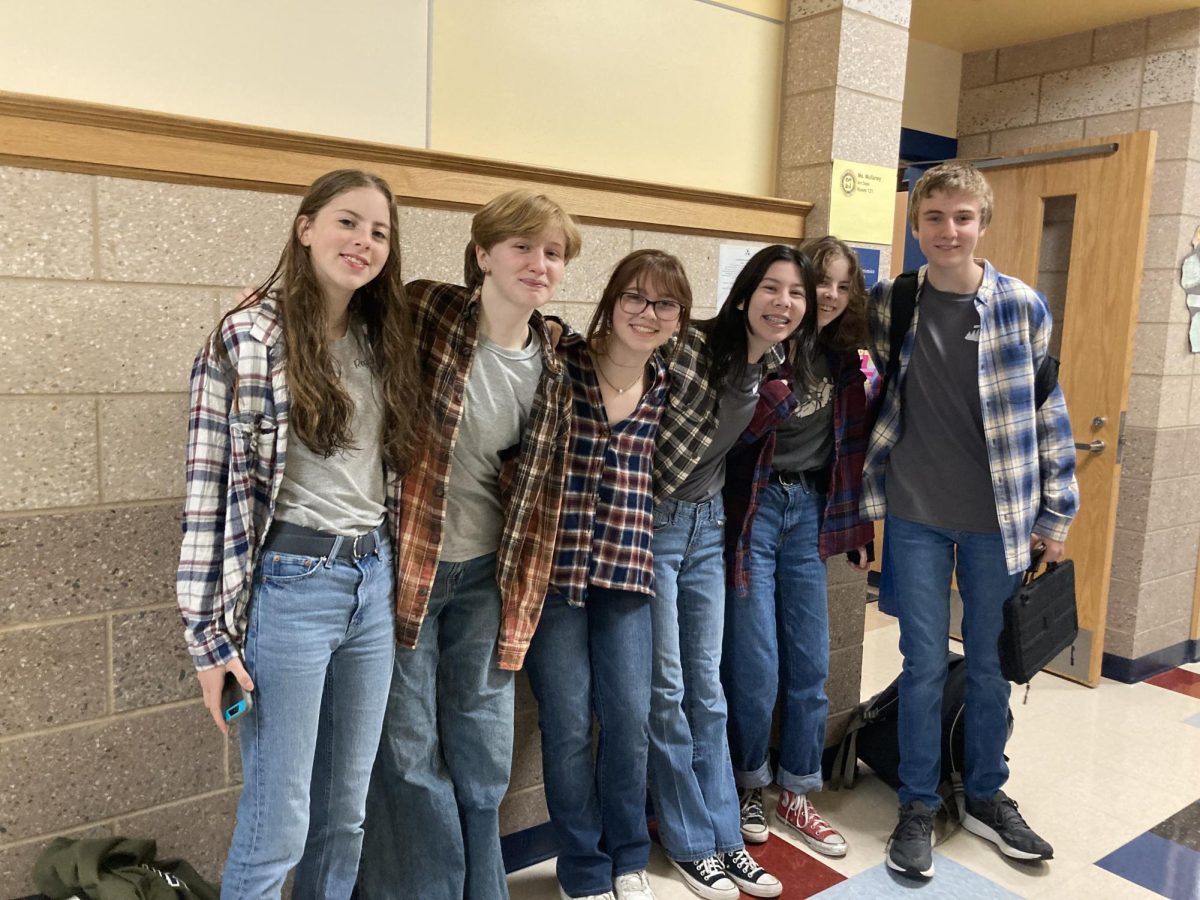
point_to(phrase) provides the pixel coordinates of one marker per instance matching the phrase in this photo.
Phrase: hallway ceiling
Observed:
(967, 25)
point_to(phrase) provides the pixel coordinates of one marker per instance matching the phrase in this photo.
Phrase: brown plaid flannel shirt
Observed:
(447, 319)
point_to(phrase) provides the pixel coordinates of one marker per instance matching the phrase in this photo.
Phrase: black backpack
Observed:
(872, 735)
(904, 304)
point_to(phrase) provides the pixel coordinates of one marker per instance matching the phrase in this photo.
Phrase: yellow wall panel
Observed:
(931, 88)
(305, 65)
(673, 91)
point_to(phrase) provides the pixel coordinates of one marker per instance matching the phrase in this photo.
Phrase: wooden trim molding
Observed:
(73, 136)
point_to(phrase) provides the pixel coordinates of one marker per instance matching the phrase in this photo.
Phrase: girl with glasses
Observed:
(792, 494)
(304, 408)
(591, 654)
(713, 390)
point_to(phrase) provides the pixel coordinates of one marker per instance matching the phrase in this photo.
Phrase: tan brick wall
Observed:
(1133, 76)
(107, 288)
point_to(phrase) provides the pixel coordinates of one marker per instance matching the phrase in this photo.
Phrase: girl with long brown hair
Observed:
(303, 407)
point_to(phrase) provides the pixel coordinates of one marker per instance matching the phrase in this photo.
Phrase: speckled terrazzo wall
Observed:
(107, 288)
(843, 102)
(1138, 75)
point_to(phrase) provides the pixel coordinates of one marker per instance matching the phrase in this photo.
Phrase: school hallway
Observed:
(1109, 775)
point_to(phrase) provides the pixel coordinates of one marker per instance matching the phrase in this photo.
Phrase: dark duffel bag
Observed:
(872, 735)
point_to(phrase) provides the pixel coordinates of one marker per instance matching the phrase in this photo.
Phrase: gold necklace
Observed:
(600, 372)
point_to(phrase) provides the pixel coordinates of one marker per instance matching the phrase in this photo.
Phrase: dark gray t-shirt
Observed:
(735, 407)
(804, 441)
(938, 472)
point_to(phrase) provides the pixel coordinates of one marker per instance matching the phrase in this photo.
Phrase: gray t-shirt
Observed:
(938, 471)
(344, 493)
(804, 441)
(496, 405)
(735, 408)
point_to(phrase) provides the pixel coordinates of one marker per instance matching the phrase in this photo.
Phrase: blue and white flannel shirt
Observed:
(1031, 452)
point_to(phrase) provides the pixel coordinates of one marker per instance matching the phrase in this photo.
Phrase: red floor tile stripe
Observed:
(1181, 681)
(802, 875)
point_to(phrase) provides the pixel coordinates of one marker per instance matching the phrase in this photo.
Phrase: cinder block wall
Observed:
(107, 288)
(1139, 75)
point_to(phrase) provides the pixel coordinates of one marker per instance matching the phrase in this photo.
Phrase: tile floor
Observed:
(1110, 776)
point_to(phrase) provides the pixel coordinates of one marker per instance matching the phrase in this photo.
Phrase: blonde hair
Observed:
(513, 214)
(954, 177)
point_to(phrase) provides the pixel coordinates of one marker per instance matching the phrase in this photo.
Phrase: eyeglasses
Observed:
(633, 303)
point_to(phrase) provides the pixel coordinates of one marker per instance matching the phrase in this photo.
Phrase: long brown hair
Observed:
(320, 409)
(641, 267)
(849, 330)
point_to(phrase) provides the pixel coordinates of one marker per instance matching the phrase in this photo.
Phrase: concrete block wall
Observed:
(1138, 75)
(108, 287)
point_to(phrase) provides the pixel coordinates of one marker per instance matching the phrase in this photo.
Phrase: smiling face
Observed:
(776, 307)
(948, 227)
(347, 241)
(526, 270)
(833, 290)
(643, 332)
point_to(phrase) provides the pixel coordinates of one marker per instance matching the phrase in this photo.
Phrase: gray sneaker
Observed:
(910, 848)
(998, 821)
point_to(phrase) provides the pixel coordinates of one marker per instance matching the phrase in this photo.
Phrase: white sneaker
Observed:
(634, 886)
(607, 895)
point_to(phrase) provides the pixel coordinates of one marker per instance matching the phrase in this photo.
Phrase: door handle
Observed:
(1096, 446)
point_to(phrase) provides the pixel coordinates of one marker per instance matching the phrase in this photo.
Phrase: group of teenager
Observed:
(398, 495)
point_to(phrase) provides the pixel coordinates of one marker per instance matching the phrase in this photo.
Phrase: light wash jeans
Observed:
(915, 578)
(691, 779)
(433, 811)
(595, 657)
(319, 648)
(778, 637)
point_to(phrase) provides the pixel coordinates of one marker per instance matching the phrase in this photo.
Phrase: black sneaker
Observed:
(706, 877)
(910, 848)
(998, 821)
(749, 875)
(754, 823)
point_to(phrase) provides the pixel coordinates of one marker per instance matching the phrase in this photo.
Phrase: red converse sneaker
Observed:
(796, 811)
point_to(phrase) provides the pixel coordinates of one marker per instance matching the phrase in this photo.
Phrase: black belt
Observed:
(284, 537)
(813, 478)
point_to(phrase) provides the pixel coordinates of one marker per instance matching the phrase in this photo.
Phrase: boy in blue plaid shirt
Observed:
(973, 478)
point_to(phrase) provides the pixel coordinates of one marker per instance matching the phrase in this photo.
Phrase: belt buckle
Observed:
(788, 479)
(354, 548)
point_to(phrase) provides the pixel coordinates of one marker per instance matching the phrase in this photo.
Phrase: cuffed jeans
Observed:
(777, 637)
(319, 647)
(433, 824)
(691, 779)
(918, 561)
(584, 658)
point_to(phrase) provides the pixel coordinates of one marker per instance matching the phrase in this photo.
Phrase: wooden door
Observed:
(1093, 332)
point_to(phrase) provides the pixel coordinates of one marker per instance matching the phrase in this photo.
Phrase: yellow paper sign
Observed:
(862, 202)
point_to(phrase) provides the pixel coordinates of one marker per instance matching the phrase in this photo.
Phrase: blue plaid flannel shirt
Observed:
(1031, 452)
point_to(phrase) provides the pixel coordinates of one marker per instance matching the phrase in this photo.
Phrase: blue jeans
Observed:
(778, 637)
(319, 648)
(918, 560)
(691, 779)
(584, 658)
(433, 811)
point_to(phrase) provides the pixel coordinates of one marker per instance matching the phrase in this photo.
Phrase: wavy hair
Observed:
(320, 409)
(849, 330)
(728, 331)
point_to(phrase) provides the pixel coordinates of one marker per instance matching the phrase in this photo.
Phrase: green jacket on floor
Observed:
(116, 869)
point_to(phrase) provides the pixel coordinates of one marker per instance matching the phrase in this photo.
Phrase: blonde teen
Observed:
(792, 494)
(591, 654)
(302, 411)
(478, 523)
(713, 390)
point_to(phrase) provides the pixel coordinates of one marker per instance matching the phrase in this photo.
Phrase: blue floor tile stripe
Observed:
(951, 881)
(1158, 865)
